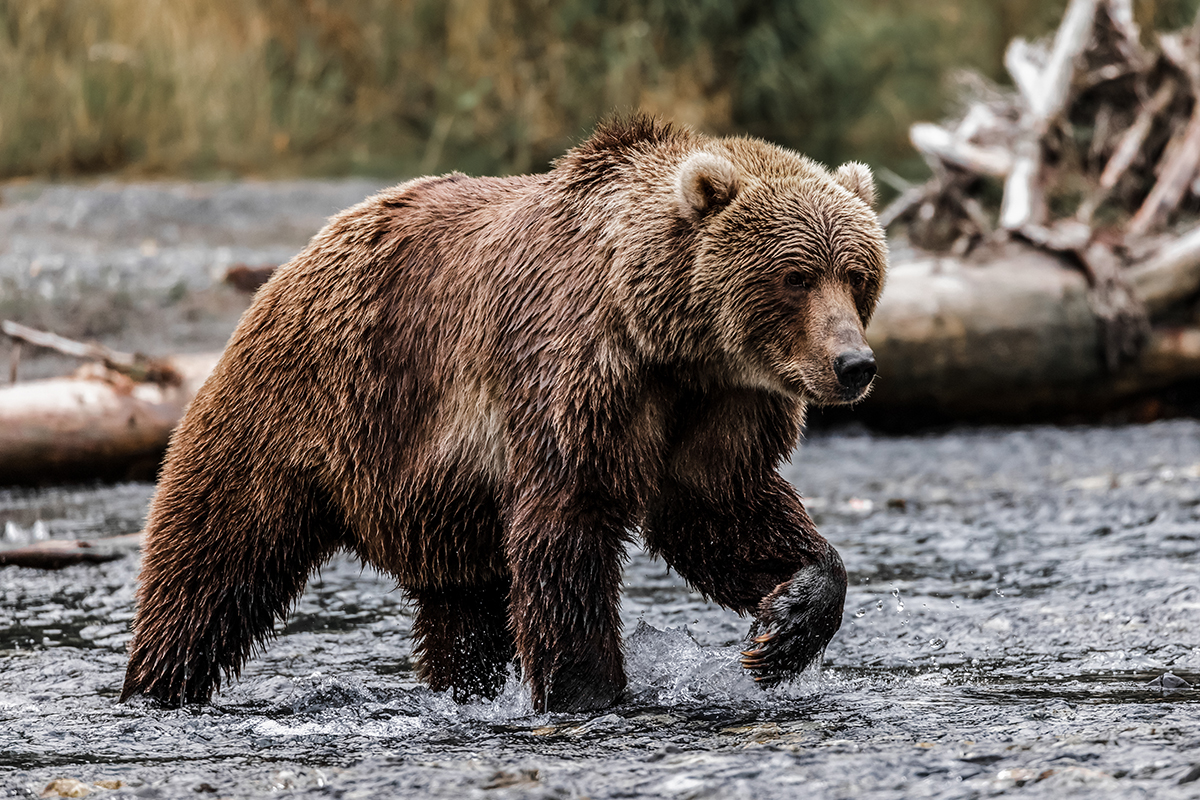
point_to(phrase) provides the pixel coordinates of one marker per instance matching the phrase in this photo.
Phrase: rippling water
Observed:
(1016, 597)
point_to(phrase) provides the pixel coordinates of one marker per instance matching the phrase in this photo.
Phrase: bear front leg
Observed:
(756, 552)
(796, 621)
(566, 558)
(464, 643)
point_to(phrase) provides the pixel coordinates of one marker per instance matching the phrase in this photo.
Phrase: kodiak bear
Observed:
(484, 386)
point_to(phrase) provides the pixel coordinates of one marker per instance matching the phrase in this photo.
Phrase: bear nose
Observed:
(855, 368)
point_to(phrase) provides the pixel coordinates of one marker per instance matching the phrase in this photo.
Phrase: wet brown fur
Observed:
(482, 386)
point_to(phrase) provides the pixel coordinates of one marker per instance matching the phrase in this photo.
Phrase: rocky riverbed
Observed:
(1023, 617)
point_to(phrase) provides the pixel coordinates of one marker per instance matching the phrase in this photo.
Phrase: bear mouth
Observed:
(851, 395)
(830, 392)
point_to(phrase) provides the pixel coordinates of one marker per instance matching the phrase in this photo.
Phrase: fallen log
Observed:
(97, 424)
(956, 335)
(136, 366)
(1011, 330)
(1008, 333)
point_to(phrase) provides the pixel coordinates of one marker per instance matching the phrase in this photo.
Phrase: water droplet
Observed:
(860, 612)
(879, 605)
(937, 644)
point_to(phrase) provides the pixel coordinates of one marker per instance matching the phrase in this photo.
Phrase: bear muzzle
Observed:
(855, 369)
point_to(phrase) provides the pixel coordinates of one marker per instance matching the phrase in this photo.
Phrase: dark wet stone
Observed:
(663, 752)
(1167, 682)
(982, 758)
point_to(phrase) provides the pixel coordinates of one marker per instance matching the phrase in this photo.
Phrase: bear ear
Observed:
(856, 177)
(705, 184)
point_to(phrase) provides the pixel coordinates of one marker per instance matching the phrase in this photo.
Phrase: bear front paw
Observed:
(795, 622)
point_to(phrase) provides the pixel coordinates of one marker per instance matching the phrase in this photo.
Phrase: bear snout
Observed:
(854, 369)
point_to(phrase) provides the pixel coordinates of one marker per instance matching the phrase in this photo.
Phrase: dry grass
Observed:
(406, 86)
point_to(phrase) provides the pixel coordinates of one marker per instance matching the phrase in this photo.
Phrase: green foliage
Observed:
(408, 86)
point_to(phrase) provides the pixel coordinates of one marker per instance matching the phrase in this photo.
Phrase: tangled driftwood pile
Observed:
(1091, 163)
(1100, 132)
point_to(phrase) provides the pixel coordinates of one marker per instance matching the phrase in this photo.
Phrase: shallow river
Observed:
(1016, 597)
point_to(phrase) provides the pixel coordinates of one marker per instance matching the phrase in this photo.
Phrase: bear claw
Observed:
(756, 659)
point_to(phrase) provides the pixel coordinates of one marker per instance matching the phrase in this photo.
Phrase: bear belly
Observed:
(448, 534)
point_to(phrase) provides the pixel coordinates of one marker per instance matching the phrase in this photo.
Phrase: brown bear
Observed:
(485, 386)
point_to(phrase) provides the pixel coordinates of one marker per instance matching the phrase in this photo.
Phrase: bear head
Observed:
(788, 266)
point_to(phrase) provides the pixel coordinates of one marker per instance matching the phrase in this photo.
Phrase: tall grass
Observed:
(274, 87)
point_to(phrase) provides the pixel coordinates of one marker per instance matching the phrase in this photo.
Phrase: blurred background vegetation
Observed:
(204, 88)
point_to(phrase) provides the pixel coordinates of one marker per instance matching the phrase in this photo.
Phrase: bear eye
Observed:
(858, 281)
(796, 280)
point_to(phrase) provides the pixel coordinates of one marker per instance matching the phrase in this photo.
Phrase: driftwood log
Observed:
(97, 424)
(135, 366)
(1012, 333)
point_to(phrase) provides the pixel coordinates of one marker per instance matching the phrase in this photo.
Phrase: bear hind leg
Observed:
(214, 580)
(463, 640)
